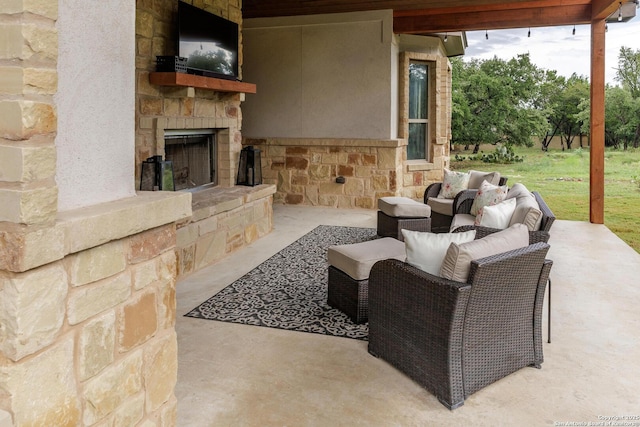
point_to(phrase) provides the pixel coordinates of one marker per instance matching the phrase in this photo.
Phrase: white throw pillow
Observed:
(457, 262)
(453, 183)
(427, 250)
(488, 194)
(496, 216)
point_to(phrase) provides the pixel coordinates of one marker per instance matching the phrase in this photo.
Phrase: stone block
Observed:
(298, 163)
(294, 199)
(96, 263)
(33, 206)
(330, 158)
(131, 411)
(297, 150)
(32, 309)
(209, 248)
(115, 385)
(388, 158)
(188, 234)
(345, 202)
(354, 187)
(46, 8)
(144, 274)
(365, 202)
(380, 182)
(149, 244)
(54, 402)
(144, 23)
(312, 195)
(26, 164)
(318, 172)
(40, 81)
(96, 345)
(151, 106)
(11, 80)
(167, 306)
(160, 371)
(41, 42)
(25, 248)
(21, 119)
(369, 159)
(88, 301)
(186, 260)
(139, 321)
(328, 200)
(169, 413)
(11, 35)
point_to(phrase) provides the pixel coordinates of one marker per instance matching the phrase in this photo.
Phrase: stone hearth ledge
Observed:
(23, 248)
(217, 200)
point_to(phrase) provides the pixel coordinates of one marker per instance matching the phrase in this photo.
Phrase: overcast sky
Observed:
(556, 48)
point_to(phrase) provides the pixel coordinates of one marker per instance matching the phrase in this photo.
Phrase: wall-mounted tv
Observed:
(209, 42)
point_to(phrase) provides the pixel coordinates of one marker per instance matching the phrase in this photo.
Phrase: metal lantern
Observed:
(250, 167)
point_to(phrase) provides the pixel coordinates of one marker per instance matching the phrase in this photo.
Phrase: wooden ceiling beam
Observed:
(601, 9)
(492, 19)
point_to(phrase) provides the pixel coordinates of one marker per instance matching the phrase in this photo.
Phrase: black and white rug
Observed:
(289, 290)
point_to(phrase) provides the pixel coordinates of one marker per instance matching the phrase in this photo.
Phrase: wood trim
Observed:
(491, 19)
(601, 9)
(596, 159)
(201, 82)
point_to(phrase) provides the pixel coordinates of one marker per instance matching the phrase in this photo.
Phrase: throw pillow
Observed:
(427, 250)
(496, 216)
(457, 261)
(453, 183)
(488, 194)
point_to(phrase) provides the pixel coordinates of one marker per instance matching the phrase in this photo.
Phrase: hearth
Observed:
(193, 153)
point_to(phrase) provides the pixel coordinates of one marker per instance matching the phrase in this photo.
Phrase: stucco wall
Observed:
(95, 100)
(323, 76)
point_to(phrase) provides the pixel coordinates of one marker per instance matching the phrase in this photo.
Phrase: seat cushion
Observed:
(427, 250)
(527, 210)
(357, 259)
(403, 207)
(460, 220)
(457, 261)
(477, 177)
(488, 194)
(440, 205)
(453, 183)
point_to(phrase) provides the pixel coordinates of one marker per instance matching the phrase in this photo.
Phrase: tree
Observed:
(495, 102)
(628, 74)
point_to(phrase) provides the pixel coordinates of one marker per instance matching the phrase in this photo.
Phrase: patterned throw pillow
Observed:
(488, 195)
(453, 183)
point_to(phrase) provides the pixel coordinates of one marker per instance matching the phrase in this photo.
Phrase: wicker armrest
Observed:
(432, 191)
(534, 236)
(463, 201)
(547, 215)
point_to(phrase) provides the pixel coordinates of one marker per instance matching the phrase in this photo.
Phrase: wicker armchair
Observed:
(456, 338)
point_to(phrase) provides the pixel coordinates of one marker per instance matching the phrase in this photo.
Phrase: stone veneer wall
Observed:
(87, 296)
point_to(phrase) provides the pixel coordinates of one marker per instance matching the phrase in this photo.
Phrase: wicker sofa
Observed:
(455, 338)
(442, 209)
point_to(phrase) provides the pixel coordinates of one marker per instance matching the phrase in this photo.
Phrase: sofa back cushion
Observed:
(457, 261)
(527, 210)
(477, 177)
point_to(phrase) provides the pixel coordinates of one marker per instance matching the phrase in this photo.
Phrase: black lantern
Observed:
(250, 168)
(157, 174)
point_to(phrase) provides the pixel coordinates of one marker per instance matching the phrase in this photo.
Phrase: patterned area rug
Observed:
(289, 290)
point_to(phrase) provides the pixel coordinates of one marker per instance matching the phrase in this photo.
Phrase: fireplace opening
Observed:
(194, 157)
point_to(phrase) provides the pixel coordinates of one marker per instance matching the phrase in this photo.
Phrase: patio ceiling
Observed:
(437, 16)
(432, 16)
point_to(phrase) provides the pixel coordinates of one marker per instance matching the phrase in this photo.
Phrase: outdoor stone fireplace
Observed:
(225, 217)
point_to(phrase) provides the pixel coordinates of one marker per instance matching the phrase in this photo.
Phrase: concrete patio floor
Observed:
(237, 375)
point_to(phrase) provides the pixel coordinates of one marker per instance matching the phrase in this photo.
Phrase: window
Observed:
(418, 110)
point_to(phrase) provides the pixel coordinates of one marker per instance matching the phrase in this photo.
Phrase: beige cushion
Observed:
(476, 178)
(453, 183)
(441, 206)
(426, 250)
(460, 220)
(496, 216)
(527, 210)
(457, 261)
(403, 207)
(488, 194)
(357, 259)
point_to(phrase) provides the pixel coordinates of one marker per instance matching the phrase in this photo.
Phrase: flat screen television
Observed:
(209, 42)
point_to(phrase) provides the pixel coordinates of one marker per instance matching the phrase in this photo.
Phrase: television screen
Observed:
(209, 42)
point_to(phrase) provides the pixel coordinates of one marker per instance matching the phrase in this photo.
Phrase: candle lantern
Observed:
(250, 167)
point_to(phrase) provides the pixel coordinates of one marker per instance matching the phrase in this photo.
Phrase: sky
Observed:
(556, 48)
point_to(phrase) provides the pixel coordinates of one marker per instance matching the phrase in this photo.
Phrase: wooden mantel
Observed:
(201, 82)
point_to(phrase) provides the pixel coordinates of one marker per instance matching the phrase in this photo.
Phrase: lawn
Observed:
(562, 178)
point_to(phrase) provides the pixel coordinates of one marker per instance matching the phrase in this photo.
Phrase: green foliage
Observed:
(502, 154)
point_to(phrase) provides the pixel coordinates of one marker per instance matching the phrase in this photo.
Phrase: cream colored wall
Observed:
(95, 101)
(322, 76)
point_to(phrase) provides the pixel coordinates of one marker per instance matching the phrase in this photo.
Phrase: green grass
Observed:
(562, 178)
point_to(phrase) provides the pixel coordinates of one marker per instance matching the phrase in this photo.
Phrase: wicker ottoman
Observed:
(397, 213)
(349, 267)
